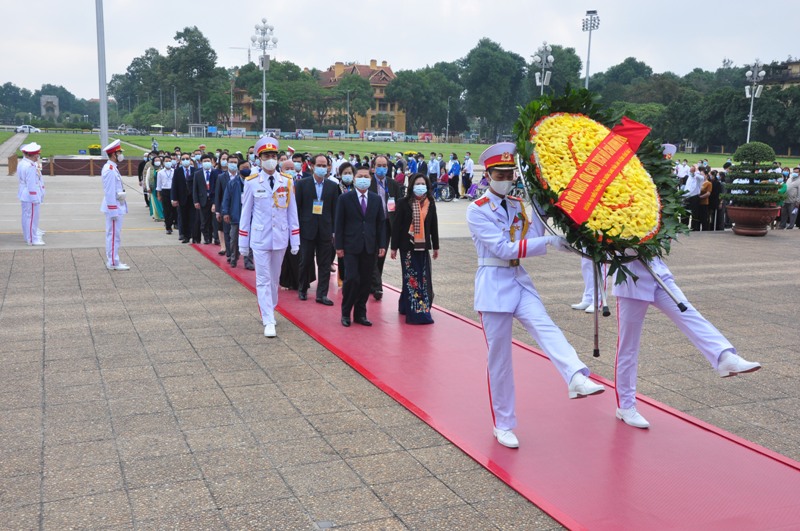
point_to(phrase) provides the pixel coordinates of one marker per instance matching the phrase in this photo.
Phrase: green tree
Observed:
(493, 79)
(362, 96)
(191, 65)
(411, 92)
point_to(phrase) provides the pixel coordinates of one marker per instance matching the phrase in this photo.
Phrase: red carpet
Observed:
(577, 462)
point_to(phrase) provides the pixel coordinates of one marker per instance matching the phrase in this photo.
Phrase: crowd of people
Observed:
(203, 195)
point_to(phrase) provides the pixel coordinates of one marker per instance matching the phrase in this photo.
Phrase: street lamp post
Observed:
(753, 90)
(264, 40)
(160, 103)
(447, 125)
(590, 23)
(175, 106)
(544, 60)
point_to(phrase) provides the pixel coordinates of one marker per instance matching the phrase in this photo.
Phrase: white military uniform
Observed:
(587, 272)
(114, 207)
(30, 195)
(268, 225)
(633, 298)
(503, 291)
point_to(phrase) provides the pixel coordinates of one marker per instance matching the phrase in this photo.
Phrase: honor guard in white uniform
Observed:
(114, 205)
(268, 225)
(589, 300)
(30, 193)
(503, 234)
(633, 299)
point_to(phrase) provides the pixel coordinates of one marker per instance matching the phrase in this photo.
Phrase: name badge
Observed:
(260, 194)
(317, 208)
(390, 204)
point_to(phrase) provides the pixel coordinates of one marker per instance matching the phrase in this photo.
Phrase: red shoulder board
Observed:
(482, 201)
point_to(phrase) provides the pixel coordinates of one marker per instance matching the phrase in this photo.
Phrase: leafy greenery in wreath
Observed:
(638, 214)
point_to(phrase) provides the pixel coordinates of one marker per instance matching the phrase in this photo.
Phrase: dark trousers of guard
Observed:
(206, 225)
(377, 275)
(169, 211)
(322, 249)
(356, 286)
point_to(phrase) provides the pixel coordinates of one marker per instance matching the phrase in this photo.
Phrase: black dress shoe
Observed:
(221, 252)
(169, 231)
(250, 267)
(216, 242)
(363, 321)
(233, 262)
(185, 240)
(302, 295)
(345, 321)
(378, 295)
(325, 300)
(207, 242)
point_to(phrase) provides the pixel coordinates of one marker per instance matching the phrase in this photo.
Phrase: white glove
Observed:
(295, 250)
(121, 196)
(559, 243)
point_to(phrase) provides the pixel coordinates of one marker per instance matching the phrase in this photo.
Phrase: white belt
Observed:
(497, 262)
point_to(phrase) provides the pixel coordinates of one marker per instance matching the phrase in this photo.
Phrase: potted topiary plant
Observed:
(752, 191)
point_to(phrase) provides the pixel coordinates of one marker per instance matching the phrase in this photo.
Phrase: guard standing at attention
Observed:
(114, 205)
(500, 227)
(31, 192)
(268, 225)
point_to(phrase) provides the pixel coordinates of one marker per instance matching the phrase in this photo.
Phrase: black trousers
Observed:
(206, 225)
(356, 287)
(169, 211)
(186, 212)
(322, 250)
(377, 275)
(226, 235)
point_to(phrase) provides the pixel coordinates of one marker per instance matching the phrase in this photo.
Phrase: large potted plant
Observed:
(752, 191)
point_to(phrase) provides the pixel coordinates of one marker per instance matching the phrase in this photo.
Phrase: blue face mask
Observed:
(320, 171)
(362, 183)
(381, 172)
(185, 163)
(223, 164)
(420, 190)
(196, 157)
(168, 164)
(347, 179)
(298, 166)
(291, 172)
(206, 165)
(244, 172)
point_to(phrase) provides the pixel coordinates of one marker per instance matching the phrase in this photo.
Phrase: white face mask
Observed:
(269, 164)
(120, 157)
(502, 187)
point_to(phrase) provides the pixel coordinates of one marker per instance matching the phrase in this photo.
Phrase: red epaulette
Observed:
(482, 201)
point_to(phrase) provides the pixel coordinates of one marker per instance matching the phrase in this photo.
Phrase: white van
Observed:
(380, 136)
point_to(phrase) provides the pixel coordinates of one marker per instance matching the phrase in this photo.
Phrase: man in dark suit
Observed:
(316, 206)
(203, 194)
(359, 237)
(422, 166)
(389, 192)
(182, 184)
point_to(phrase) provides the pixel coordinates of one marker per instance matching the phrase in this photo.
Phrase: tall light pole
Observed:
(160, 103)
(175, 107)
(233, 86)
(447, 125)
(544, 60)
(590, 23)
(101, 73)
(753, 90)
(264, 40)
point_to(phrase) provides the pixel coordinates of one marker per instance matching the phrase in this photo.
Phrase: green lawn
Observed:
(63, 143)
(5, 135)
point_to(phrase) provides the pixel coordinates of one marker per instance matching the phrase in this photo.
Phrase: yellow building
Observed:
(382, 115)
(787, 76)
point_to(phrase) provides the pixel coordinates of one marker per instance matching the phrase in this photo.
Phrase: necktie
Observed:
(363, 205)
(504, 205)
(271, 181)
(208, 182)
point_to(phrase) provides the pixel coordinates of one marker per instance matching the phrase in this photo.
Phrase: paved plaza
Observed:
(150, 399)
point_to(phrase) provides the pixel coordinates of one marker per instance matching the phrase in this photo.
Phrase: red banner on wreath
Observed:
(584, 191)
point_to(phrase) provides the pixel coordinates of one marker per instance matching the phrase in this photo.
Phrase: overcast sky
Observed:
(55, 41)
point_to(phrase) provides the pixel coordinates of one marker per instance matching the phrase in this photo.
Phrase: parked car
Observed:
(380, 136)
(27, 129)
(131, 131)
